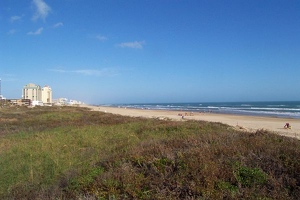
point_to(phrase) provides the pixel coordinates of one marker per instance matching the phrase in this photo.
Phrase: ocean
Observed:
(283, 109)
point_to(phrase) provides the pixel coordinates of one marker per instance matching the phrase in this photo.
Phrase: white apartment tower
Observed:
(32, 91)
(36, 93)
(46, 95)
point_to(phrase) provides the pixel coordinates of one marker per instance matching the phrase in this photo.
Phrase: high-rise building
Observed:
(32, 91)
(1, 97)
(46, 95)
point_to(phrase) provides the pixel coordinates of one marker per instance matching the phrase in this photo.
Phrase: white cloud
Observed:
(37, 32)
(101, 38)
(8, 78)
(11, 32)
(102, 72)
(90, 72)
(133, 45)
(59, 24)
(15, 18)
(42, 9)
(58, 70)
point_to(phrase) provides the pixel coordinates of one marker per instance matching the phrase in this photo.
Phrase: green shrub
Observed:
(250, 177)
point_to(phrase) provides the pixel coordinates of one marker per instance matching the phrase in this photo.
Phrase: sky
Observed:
(152, 51)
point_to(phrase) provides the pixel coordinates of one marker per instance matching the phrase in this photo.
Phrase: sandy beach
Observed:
(248, 123)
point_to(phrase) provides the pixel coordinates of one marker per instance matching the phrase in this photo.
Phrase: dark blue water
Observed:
(285, 109)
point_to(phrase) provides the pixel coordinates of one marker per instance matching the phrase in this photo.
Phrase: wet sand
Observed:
(247, 123)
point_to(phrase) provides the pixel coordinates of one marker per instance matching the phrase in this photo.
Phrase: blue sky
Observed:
(152, 51)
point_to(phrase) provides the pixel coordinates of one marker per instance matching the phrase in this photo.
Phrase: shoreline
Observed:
(243, 122)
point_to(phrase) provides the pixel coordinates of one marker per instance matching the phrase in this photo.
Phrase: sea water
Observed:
(284, 109)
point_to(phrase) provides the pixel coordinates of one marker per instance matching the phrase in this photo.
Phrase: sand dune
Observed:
(249, 123)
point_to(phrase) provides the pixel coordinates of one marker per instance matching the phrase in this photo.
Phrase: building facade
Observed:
(19, 102)
(46, 95)
(32, 91)
(37, 94)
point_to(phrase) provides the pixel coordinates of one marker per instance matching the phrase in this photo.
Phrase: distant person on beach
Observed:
(287, 125)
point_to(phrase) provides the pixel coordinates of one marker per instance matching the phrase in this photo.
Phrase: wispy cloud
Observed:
(101, 38)
(90, 72)
(58, 70)
(133, 45)
(42, 10)
(102, 72)
(37, 32)
(11, 32)
(8, 78)
(15, 18)
(59, 24)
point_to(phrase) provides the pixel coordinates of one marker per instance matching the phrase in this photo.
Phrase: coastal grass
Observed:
(75, 153)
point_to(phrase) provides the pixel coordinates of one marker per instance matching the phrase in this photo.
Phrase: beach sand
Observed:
(247, 123)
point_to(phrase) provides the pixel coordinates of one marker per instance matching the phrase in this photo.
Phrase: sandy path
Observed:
(250, 123)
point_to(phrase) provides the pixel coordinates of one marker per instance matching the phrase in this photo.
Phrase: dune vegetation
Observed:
(75, 153)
